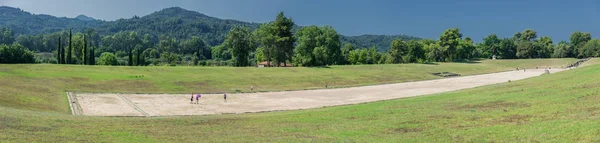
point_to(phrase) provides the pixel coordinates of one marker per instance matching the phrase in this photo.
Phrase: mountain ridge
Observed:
(174, 22)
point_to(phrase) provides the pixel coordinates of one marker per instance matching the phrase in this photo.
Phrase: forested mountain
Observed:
(84, 18)
(174, 22)
(178, 23)
(25, 23)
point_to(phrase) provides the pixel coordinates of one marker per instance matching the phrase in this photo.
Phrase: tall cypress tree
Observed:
(130, 58)
(70, 48)
(92, 56)
(137, 57)
(85, 51)
(58, 53)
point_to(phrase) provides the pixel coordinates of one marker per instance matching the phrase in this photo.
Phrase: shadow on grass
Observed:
(471, 61)
(430, 63)
(324, 67)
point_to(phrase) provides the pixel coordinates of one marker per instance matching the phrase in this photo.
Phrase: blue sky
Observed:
(422, 18)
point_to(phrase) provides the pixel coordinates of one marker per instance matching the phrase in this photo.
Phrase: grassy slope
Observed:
(42, 87)
(561, 107)
(591, 62)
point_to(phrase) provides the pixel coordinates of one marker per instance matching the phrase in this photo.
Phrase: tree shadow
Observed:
(324, 67)
(471, 61)
(430, 63)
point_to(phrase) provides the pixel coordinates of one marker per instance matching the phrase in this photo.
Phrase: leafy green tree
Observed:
(507, 49)
(85, 51)
(374, 56)
(436, 53)
(331, 42)
(60, 52)
(517, 36)
(259, 55)
(130, 56)
(414, 53)
(93, 37)
(131, 41)
(78, 52)
(168, 44)
(240, 42)
(139, 59)
(69, 61)
(354, 57)
(562, 50)
(346, 51)
(383, 58)
(311, 37)
(284, 38)
(320, 55)
(426, 42)
(525, 50)
(308, 39)
(197, 46)
(7, 36)
(15, 53)
(153, 53)
(545, 40)
(170, 58)
(221, 52)
(363, 56)
(528, 35)
(591, 49)
(465, 49)
(578, 40)
(450, 40)
(107, 58)
(544, 47)
(92, 57)
(266, 36)
(491, 45)
(195, 59)
(399, 48)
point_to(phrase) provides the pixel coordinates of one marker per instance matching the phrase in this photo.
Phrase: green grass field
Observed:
(559, 107)
(42, 87)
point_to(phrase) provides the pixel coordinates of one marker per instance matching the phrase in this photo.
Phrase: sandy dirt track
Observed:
(110, 104)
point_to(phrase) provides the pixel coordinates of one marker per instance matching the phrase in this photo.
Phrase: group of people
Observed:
(224, 96)
(198, 98)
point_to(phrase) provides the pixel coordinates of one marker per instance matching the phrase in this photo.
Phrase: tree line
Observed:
(277, 44)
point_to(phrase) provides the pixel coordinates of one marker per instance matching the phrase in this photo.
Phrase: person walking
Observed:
(197, 98)
(225, 97)
(192, 98)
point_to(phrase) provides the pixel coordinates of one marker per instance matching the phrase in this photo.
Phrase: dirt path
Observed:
(179, 104)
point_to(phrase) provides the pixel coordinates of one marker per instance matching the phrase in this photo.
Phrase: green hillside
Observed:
(173, 22)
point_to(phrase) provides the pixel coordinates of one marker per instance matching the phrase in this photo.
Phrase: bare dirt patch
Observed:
(179, 104)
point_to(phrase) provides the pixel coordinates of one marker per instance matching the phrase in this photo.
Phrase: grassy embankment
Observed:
(41, 87)
(559, 107)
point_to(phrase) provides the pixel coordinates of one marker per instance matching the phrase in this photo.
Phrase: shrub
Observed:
(15, 53)
(108, 59)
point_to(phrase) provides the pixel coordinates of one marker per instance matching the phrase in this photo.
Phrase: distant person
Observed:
(225, 97)
(192, 99)
(197, 97)
(251, 88)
